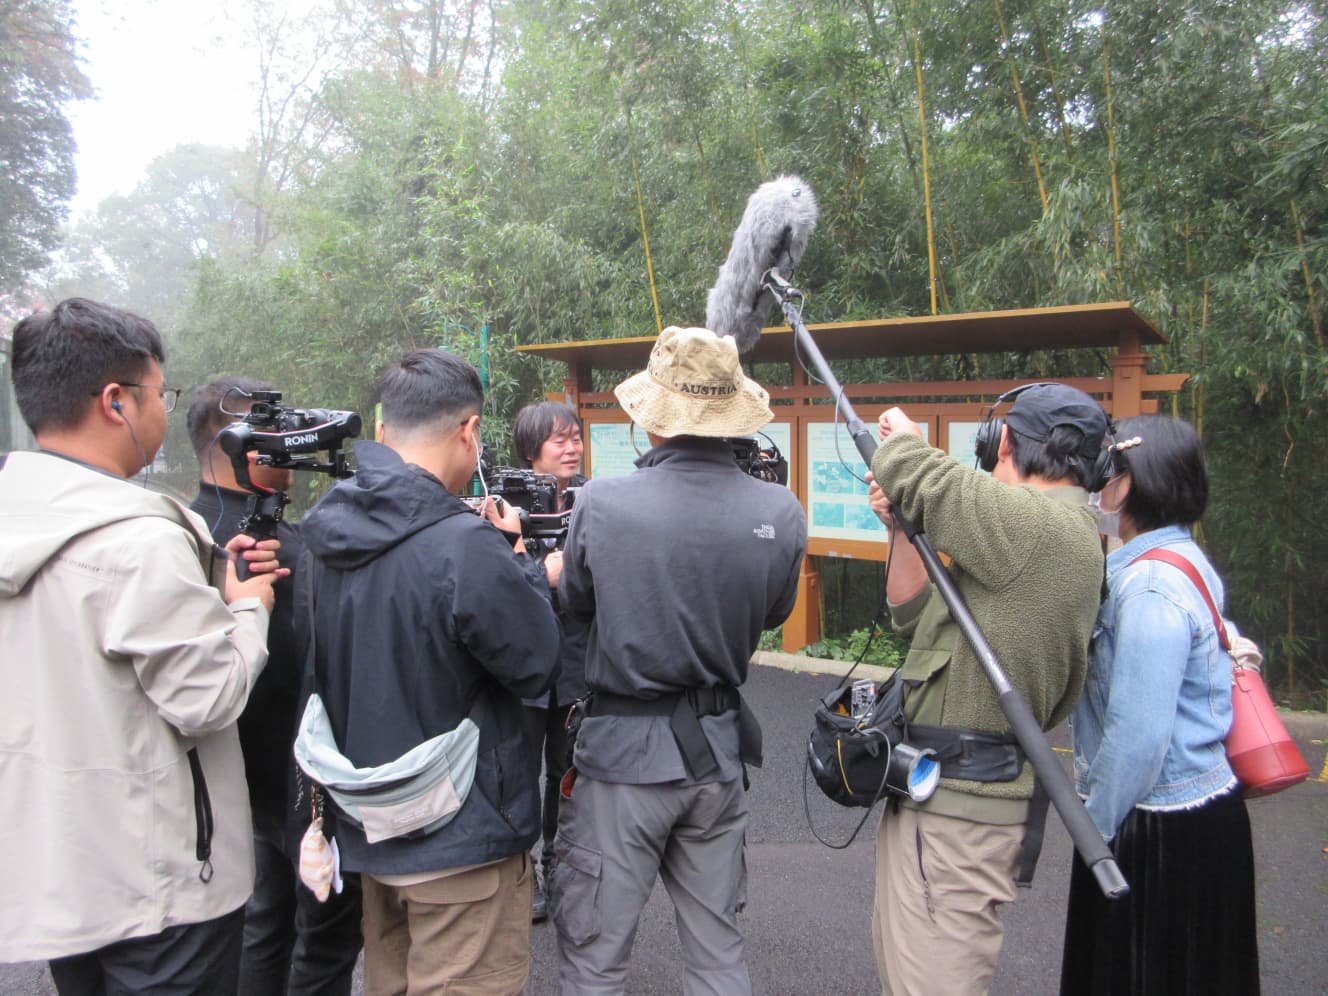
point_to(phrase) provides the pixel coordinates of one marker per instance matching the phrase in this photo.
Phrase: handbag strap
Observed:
(1183, 565)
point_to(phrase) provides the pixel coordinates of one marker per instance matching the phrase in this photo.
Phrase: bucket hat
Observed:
(694, 386)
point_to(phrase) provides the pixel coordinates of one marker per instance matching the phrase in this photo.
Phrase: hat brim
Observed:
(668, 413)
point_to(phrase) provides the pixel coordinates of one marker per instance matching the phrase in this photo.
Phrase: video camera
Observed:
(280, 434)
(534, 495)
(763, 462)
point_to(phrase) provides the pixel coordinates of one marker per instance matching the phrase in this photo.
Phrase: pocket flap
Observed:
(922, 664)
(583, 859)
(473, 886)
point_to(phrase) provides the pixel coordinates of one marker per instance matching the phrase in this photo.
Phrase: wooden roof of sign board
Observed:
(1071, 327)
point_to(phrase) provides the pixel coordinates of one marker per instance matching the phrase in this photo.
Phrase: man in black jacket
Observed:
(293, 944)
(657, 783)
(424, 617)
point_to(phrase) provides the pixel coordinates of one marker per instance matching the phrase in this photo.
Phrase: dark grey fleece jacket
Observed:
(677, 567)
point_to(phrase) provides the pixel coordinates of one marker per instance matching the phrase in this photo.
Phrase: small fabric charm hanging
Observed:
(320, 861)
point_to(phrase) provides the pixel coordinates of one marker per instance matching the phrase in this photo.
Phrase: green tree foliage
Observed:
(39, 75)
(480, 175)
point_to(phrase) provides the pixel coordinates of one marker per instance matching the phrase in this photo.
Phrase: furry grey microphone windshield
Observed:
(774, 230)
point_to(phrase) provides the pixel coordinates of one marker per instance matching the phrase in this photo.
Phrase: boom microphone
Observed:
(774, 230)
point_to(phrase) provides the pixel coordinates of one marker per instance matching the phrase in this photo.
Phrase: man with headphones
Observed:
(130, 650)
(1026, 556)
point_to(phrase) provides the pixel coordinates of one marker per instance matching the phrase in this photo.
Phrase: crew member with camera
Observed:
(426, 631)
(293, 944)
(1025, 555)
(657, 787)
(131, 647)
(546, 438)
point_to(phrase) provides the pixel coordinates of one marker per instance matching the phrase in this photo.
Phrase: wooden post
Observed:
(803, 626)
(1127, 377)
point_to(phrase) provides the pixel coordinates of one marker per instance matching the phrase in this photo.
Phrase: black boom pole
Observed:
(1087, 841)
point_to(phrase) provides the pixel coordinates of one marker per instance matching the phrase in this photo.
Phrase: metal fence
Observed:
(14, 434)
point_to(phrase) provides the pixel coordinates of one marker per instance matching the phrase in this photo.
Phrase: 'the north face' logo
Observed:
(764, 531)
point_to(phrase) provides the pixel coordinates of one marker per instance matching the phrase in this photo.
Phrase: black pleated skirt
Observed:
(1187, 927)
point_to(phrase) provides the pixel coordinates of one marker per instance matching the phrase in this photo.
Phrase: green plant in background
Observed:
(881, 647)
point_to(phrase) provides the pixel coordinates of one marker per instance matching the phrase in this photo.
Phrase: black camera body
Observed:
(534, 495)
(283, 436)
(763, 462)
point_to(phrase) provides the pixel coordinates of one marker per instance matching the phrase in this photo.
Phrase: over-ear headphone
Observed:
(987, 443)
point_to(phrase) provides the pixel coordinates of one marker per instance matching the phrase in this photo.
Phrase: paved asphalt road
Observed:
(808, 918)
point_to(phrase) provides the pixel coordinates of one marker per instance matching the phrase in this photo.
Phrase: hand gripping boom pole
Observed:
(1087, 841)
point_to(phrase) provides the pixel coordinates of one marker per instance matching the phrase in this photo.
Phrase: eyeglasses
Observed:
(169, 395)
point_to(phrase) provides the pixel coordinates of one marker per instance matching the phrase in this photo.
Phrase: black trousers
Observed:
(1187, 927)
(293, 944)
(547, 729)
(194, 959)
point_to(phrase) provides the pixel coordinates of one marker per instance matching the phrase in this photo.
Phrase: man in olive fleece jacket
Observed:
(1027, 559)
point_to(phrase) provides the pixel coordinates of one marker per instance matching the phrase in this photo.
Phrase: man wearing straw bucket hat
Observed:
(677, 567)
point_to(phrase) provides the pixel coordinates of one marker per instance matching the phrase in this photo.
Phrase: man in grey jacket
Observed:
(126, 850)
(657, 787)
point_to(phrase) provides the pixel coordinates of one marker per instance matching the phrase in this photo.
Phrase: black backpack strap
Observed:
(1033, 833)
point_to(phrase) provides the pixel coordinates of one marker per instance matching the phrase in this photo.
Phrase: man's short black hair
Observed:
(1059, 455)
(537, 422)
(430, 386)
(216, 405)
(65, 356)
(1168, 473)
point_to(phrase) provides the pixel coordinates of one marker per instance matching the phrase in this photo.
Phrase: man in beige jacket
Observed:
(125, 847)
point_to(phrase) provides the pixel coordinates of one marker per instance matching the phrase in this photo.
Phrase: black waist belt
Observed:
(971, 754)
(684, 710)
(988, 757)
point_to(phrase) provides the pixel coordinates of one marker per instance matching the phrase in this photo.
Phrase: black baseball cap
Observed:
(1042, 407)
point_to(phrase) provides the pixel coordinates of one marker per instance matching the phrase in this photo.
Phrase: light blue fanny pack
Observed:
(418, 792)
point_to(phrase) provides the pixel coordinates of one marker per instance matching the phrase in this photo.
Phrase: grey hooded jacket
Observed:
(119, 657)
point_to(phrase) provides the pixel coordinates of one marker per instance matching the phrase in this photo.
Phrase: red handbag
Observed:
(1259, 748)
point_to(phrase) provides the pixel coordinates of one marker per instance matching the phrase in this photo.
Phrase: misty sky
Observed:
(165, 72)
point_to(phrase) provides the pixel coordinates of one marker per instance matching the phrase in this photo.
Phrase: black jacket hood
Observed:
(386, 501)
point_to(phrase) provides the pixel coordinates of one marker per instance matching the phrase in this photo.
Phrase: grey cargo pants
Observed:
(612, 841)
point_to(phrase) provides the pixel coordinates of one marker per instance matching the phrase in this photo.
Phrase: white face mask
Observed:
(1108, 523)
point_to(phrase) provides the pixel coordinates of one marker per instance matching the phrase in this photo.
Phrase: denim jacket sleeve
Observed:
(1150, 647)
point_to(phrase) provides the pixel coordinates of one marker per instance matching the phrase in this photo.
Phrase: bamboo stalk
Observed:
(641, 209)
(1111, 155)
(926, 168)
(1023, 107)
(1201, 390)
(1056, 97)
(1288, 512)
(709, 181)
(1305, 271)
(740, 44)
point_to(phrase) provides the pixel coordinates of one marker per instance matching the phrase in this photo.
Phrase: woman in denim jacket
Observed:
(1148, 754)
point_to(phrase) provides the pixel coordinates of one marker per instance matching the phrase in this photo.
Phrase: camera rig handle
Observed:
(1083, 832)
(283, 434)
